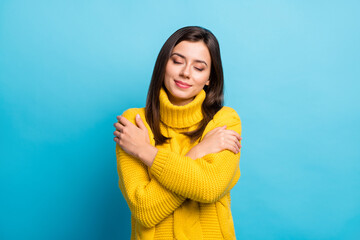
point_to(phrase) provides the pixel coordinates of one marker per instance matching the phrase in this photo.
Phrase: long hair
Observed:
(214, 91)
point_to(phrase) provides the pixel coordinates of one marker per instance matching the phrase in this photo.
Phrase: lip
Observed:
(182, 84)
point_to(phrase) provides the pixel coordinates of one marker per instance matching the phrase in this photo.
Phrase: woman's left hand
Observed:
(134, 139)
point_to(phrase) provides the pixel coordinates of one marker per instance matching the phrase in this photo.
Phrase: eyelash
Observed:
(199, 69)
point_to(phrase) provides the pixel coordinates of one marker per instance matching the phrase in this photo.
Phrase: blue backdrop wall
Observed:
(68, 68)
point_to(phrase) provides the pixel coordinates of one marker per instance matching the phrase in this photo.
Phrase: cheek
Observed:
(167, 74)
(169, 70)
(202, 78)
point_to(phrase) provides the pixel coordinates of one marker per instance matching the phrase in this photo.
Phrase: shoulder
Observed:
(131, 113)
(226, 114)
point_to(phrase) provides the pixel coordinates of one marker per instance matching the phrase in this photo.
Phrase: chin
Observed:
(180, 95)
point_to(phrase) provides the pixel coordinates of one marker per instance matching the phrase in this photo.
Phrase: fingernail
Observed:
(137, 115)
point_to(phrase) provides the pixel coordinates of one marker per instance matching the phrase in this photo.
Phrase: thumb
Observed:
(140, 123)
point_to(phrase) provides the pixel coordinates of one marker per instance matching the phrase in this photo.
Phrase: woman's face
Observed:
(187, 71)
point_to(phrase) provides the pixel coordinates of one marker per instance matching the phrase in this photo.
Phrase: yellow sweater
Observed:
(178, 197)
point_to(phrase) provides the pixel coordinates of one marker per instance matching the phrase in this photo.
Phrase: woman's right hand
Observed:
(216, 141)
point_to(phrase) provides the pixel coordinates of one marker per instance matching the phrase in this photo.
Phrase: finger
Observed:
(119, 127)
(118, 118)
(237, 150)
(140, 123)
(232, 148)
(123, 120)
(238, 144)
(117, 134)
(116, 139)
(233, 145)
(235, 140)
(236, 134)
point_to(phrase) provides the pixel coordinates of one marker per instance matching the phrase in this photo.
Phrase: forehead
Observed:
(193, 50)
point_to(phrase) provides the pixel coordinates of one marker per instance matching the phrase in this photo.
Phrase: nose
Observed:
(185, 71)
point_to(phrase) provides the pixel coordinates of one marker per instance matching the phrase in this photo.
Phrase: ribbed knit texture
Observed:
(180, 116)
(179, 197)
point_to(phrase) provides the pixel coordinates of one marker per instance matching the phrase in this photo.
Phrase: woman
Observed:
(178, 158)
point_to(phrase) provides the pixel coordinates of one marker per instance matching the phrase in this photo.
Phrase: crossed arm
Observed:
(208, 171)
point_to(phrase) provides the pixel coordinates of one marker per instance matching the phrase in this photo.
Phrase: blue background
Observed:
(68, 68)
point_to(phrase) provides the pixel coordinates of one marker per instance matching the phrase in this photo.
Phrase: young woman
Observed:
(178, 158)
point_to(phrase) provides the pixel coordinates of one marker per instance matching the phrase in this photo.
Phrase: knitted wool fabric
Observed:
(178, 197)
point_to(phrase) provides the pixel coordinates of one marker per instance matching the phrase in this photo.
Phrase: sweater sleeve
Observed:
(147, 199)
(206, 179)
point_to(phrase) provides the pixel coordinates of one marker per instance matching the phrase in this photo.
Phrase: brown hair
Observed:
(214, 91)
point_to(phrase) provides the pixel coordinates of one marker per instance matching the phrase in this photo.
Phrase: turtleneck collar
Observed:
(181, 116)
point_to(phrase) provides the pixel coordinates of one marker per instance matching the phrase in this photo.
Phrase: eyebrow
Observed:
(182, 56)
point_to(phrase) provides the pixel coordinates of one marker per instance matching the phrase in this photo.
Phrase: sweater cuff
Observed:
(158, 165)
